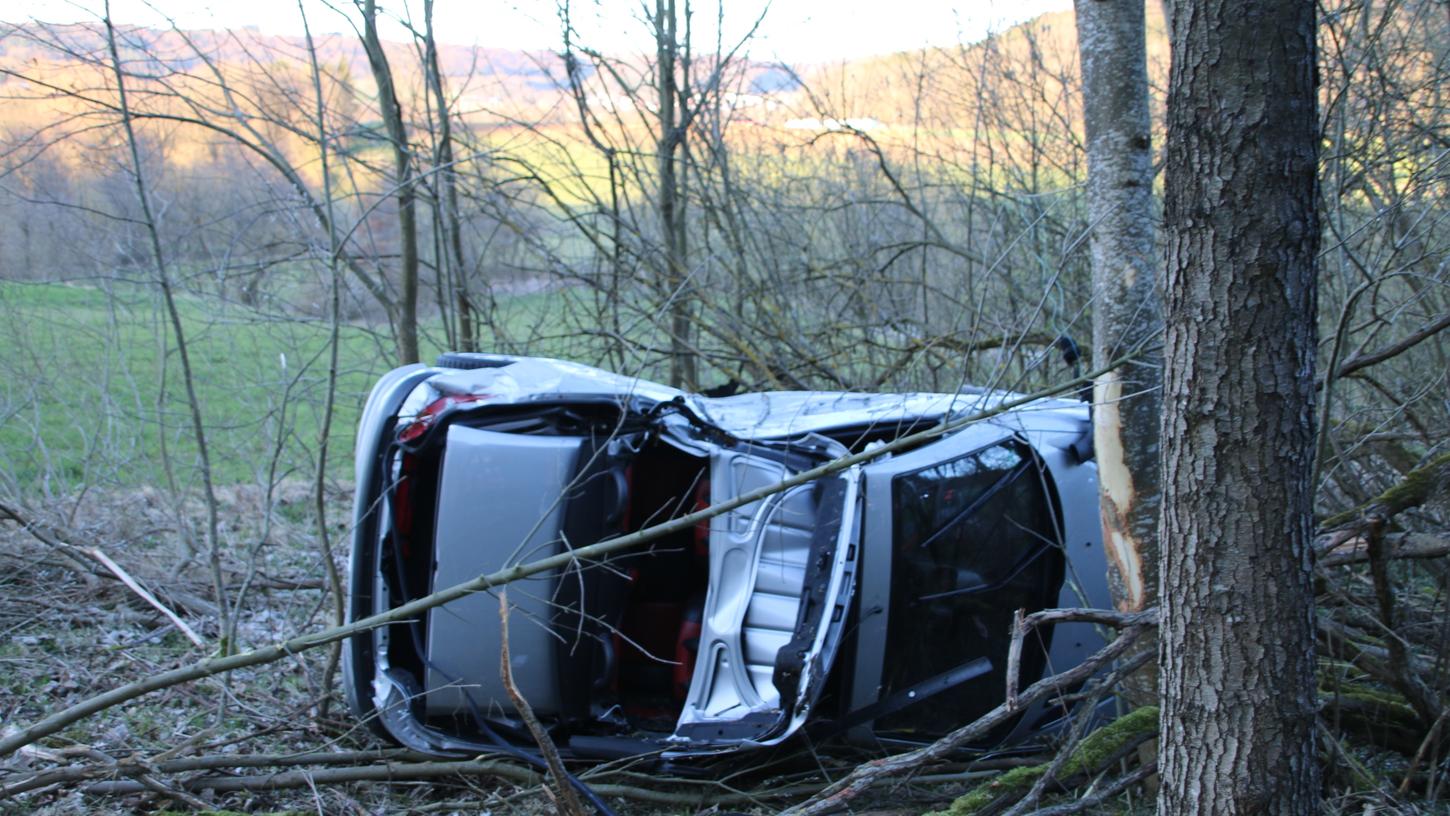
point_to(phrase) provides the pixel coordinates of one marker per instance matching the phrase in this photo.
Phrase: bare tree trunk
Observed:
(671, 138)
(1126, 307)
(448, 182)
(392, 114)
(1237, 637)
(329, 405)
(193, 402)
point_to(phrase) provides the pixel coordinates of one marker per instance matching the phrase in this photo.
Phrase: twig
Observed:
(1366, 359)
(1425, 744)
(1049, 776)
(135, 586)
(183, 353)
(324, 433)
(1121, 669)
(564, 794)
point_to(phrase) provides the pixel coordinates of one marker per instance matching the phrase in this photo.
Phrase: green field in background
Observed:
(81, 370)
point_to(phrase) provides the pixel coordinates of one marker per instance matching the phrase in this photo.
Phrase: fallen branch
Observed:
(566, 799)
(214, 762)
(73, 555)
(388, 772)
(1424, 699)
(1354, 548)
(867, 774)
(1074, 765)
(1413, 490)
(69, 553)
(1023, 624)
(135, 586)
(421, 771)
(1114, 788)
(271, 654)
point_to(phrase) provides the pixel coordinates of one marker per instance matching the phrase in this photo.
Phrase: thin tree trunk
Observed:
(392, 114)
(1126, 306)
(324, 433)
(1237, 636)
(677, 287)
(193, 402)
(448, 180)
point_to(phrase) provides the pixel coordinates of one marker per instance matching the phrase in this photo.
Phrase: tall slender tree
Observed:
(673, 131)
(1236, 655)
(452, 257)
(1126, 306)
(406, 314)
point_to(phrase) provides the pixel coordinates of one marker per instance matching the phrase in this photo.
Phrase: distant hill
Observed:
(1023, 76)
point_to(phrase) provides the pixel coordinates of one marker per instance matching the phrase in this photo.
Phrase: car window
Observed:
(974, 539)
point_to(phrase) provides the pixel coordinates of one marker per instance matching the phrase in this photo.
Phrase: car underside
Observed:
(872, 604)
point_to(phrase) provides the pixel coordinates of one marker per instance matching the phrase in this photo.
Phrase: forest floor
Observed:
(70, 630)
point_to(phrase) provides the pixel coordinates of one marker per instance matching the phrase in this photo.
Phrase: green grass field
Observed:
(82, 401)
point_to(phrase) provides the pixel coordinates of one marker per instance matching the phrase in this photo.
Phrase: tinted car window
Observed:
(974, 540)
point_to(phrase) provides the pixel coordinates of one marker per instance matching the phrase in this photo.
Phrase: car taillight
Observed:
(403, 500)
(426, 417)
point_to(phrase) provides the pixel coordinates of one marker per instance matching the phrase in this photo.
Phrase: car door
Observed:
(958, 535)
(782, 573)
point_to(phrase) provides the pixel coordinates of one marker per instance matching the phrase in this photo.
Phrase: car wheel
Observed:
(468, 360)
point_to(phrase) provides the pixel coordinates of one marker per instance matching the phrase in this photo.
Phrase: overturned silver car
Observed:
(873, 604)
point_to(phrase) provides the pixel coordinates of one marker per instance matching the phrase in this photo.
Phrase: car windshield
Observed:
(975, 539)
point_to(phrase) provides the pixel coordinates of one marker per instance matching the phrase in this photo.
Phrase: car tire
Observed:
(469, 360)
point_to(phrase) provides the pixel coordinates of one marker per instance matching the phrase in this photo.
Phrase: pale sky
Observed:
(792, 30)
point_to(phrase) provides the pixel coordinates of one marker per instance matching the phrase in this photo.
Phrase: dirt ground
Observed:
(70, 628)
(278, 738)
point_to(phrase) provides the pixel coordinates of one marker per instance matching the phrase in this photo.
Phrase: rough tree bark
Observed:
(1126, 305)
(1236, 655)
(406, 316)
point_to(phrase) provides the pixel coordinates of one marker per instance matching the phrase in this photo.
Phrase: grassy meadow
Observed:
(91, 391)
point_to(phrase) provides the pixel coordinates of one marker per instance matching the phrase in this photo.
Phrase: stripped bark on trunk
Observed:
(1126, 305)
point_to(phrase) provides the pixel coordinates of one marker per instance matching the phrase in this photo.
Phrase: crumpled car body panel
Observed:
(815, 608)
